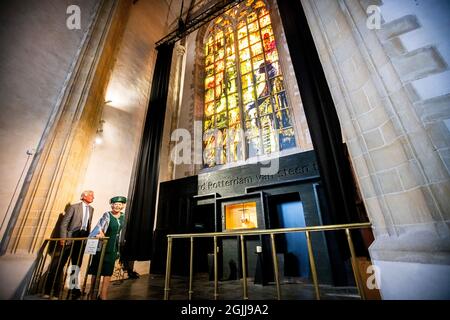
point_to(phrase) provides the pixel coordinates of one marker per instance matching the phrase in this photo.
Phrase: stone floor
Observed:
(151, 287)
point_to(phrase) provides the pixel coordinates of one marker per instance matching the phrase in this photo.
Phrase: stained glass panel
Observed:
(283, 118)
(257, 49)
(251, 85)
(276, 84)
(246, 67)
(254, 37)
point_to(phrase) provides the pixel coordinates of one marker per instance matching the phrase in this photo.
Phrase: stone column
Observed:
(403, 180)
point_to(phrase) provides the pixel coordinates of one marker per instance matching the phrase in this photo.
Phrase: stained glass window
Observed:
(246, 112)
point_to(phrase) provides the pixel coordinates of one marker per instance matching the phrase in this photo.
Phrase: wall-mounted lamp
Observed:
(99, 133)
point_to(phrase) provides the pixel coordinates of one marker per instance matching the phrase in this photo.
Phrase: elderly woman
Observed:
(109, 225)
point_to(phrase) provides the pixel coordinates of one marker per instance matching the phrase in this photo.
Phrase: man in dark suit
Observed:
(76, 223)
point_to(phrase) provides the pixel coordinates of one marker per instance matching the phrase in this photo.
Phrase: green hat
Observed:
(118, 199)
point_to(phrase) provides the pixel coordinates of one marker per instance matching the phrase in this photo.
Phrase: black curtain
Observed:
(137, 244)
(324, 128)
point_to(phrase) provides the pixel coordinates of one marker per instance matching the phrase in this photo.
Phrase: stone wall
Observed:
(400, 172)
(36, 57)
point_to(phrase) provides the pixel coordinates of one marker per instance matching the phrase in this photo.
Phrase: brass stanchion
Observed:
(168, 266)
(33, 286)
(100, 266)
(69, 261)
(216, 271)
(191, 268)
(354, 265)
(244, 268)
(275, 265)
(57, 269)
(83, 291)
(313, 266)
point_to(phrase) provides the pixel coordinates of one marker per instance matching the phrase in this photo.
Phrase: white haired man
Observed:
(76, 223)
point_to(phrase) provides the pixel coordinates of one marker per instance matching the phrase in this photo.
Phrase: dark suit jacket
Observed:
(73, 219)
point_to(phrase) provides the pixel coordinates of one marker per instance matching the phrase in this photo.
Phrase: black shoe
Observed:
(133, 275)
(76, 294)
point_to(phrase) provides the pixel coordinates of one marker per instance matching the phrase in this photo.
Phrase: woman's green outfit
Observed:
(113, 229)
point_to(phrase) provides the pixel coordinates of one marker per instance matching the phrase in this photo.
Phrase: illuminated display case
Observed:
(241, 216)
(242, 212)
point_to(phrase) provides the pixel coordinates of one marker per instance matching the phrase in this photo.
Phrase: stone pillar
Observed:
(403, 180)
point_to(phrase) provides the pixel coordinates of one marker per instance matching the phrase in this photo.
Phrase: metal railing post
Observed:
(313, 266)
(100, 266)
(216, 271)
(275, 265)
(191, 268)
(354, 265)
(244, 267)
(168, 266)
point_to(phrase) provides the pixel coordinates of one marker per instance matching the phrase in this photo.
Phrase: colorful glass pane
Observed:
(248, 96)
(273, 69)
(242, 32)
(276, 84)
(263, 11)
(254, 37)
(280, 101)
(209, 95)
(219, 78)
(209, 109)
(258, 63)
(254, 148)
(219, 54)
(234, 116)
(209, 70)
(262, 89)
(272, 56)
(252, 27)
(219, 66)
(221, 104)
(247, 80)
(221, 120)
(209, 83)
(251, 17)
(252, 128)
(242, 42)
(233, 101)
(244, 54)
(231, 86)
(287, 139)
(208, 123)
(246, 67)
(257, 49)
(250, 111)
(231, 61)
(218, 92)
(209, 60)
(264, 21)
(283, 118)
(264, 105)
(260, 76)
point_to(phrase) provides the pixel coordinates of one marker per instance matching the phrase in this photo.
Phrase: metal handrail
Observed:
(40, 281)
(271, 232)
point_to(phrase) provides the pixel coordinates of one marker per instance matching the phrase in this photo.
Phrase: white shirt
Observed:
(85, 220)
